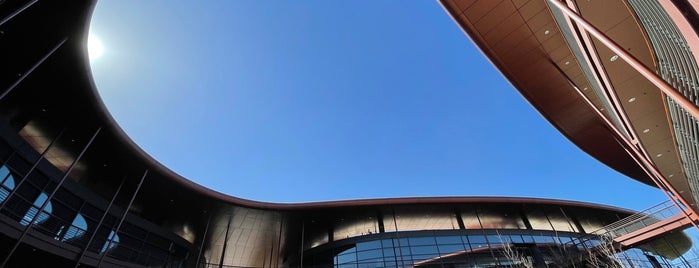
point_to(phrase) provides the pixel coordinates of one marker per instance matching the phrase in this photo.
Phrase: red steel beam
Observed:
(631, 60)
(648, 74)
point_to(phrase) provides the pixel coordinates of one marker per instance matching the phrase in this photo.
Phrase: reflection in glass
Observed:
(31, 213)
(7, 183)
(76, 229)
(111, 243)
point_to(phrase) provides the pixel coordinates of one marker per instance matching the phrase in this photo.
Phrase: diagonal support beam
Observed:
(649, 74)
(663, 86)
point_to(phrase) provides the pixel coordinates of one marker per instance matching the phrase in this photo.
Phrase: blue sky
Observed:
(292, 101)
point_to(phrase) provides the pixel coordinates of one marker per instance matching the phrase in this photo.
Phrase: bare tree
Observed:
(515, 257)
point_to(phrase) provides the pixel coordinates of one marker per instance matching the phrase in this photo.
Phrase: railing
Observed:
(654, 214)
(627, 225)
(129, 248)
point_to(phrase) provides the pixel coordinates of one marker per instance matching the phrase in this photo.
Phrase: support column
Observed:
(303, 234)
(48, 199)
(28, 72)
(32, 168)
(20, 10)
(99, 224)
(225, 242)
(203, 239)
(121, 221)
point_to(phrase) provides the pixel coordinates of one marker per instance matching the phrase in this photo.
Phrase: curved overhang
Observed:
(546, 57)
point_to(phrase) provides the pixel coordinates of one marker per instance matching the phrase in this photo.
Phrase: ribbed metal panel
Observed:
(677, 67)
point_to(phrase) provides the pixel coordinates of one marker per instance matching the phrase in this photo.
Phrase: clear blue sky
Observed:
(291, 101)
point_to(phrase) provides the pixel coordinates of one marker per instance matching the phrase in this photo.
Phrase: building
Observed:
(549, 58)
(76, 191)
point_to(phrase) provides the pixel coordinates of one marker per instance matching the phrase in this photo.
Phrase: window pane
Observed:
(369, 255)
(447, 249)
(421, 241)
(368, 245)
(449, 240)
(423, 250)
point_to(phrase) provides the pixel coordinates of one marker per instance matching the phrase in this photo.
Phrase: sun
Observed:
(94, 47)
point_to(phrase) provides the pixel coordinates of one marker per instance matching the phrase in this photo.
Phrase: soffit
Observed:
(522, 39)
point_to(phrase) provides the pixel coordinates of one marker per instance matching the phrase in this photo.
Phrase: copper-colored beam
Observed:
(659, 179)
(638, 156)
(649, 74)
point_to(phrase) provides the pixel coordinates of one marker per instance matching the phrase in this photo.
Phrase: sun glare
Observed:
(94, 47)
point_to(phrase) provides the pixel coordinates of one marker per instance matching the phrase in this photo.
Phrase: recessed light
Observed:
(613, 58)
(585, 88)
(646, 130)
(567, 62)
(632, 99)
(658, 155)
(547, 32)
(601, 109)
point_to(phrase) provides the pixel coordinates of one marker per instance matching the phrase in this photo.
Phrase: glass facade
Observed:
(435, 249)
(484, 248)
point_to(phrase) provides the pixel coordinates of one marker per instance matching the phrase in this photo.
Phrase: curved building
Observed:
(619, 94)
(76, 191)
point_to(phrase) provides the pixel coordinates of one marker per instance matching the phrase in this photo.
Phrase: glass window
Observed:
(387, 243)
(31, 213)
(424, 250)
(369, 255)
(421, 241)
(347, 251)
(389, 252)
(111, 243)
(476, 239)
(448, 249)
(516, 239)
(368, 245)
(7, 183)
(544, 239)
(443, 240)
(77, 228)
(498, 239)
